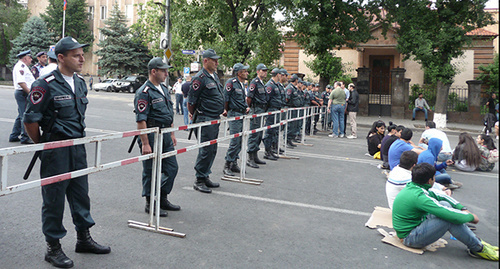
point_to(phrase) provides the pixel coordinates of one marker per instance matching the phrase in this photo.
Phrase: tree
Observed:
(34, 36)
(320, 26)
(329, 67)
(77, 20)
(490, 75)
(120, 54)
(12, 17)
(433, 33)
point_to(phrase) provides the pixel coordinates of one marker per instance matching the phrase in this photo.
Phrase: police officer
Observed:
(153, 108)
(42, 62)
(61, 98)
(273, 104)
(318, 102)
(302, 88)
(52, 64)
(292, 101)
(235, 105)
(327, 121)
(281, 86)
(308, 98)
(257, 101)
(23, 78)
(206, 103)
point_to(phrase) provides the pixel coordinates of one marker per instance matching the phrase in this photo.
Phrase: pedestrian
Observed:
(52, 64)
(273, 104)
(293, 101)
(206, 103)
(178, 96)
(42, 62)
(336, 104)
(91, 81)
(421, 105)
(154, 108)
(61, 97)
(235, 105)
(347, 94)
(257, 101)
(23, 78)
(491, 105)
(185, 91)
(352, 109)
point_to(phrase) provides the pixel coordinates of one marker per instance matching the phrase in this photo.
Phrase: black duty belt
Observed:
(259, 105)
(151, 123)
(243, 111)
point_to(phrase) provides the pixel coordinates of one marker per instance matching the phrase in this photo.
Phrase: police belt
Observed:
(243, 111)
(264, 106)
(59, 137)
(151, 123)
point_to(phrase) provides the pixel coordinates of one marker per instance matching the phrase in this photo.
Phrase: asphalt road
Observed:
(308, 213)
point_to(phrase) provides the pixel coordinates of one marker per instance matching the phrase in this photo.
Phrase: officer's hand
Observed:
(146, 149)
(174, 140)
(190, 116)
(224, 113)
(248, 110)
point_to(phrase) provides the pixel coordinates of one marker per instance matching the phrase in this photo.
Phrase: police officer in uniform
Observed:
(274, 103)
(23, 78)
(42, 62)
(153, 108)
(206, 103)
(327, 121)
(61, 98)
(292, 100)
(302, 88)
(257, 101)
(235, 105)
(281, 86)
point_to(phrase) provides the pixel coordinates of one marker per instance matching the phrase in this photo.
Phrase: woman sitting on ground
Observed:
(466, 155)
(374, 138)
(485, 144)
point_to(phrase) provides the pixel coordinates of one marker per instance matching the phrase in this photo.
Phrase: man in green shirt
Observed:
(336, 103)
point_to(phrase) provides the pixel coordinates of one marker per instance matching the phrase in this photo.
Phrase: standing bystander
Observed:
(178, 96)
(352, 109)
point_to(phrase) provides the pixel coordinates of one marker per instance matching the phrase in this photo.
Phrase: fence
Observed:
(457, 99)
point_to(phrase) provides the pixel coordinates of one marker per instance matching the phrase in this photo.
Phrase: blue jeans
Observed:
(419, 109)
(18, 128)
(185, 111)
(338, 119)
(443, 178)
(434, 228)
(179, 102)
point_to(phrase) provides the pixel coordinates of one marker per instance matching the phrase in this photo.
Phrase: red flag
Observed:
(65, 4)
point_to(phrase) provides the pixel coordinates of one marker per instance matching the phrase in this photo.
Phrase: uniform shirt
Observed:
(273, 94)
(36, 70)
(52, 93)
(283, 94)
(21, 73)
(235, 95)
(307, 97)
(257, 92)
(325, 96)
(301, 98)
(206, 94)
(292, 95)
(153, 105)
(49, 68)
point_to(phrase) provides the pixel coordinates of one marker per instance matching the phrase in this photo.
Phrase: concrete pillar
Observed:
(474, 99)
(398, 96)
(406, 93)
(363, 88)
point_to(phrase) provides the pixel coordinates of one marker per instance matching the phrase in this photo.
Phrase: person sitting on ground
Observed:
(421, 216)
(401, 145)
(432, 132)
(394, 133)
(485, 144)
(466, 155)
(420, 105)
(374, 138)
(430, 156)
(401, 175)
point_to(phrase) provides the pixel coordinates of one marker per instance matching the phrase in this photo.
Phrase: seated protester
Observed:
(466, 155)
(401, 145)
(374, 138)
(485, 144)
(420, 216)
(401, 175)
(393, 135)
(432, 132)
(430, 156)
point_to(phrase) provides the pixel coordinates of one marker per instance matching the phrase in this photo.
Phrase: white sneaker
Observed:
(352, 137)
(332, 136)
(341, 135)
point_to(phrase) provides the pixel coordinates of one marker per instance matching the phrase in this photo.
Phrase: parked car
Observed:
(129, 83)
(106, 85)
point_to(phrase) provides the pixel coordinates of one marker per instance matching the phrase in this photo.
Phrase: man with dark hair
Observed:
(420, 105)
(336, 103)
(431, 132)
(42, 62)
(273, 104)
(401, 145)
(421, 216)
(292, 100)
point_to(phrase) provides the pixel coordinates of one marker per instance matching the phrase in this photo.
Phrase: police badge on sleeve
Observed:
(36, 95)
(141, 105)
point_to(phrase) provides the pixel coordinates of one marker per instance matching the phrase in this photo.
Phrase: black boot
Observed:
(165, 204)
(251, 161)
(290, 145)
(234, 167)
(163, 213)
(211, 184)
(227, 169)
(56, 256)
(200, 186)
(256, 159)
(274, 151)
(269, 155)
(85, 244)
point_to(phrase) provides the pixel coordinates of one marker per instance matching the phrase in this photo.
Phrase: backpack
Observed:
(493, 158)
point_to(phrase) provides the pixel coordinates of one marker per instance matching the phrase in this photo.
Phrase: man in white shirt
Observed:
(179, 97)
(421, 105)
(431, 132)
(23, 78)
(52, 64)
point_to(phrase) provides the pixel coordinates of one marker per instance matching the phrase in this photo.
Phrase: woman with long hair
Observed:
(466, 155)
(485, 144)
(375, 136)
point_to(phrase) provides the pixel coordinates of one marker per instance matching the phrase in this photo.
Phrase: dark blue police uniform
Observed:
(293, 97)
(257, 92)
(274, 103)
(234, 95)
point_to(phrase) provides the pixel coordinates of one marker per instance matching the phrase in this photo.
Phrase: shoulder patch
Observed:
(145, 89)
(141, 105)
(229, 86)
(36, 95)
(80, 76)
(235, 79)
(49, 78)
(196, 84)
(269, 89)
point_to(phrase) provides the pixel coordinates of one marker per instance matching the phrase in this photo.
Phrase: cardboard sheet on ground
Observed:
(381, 216)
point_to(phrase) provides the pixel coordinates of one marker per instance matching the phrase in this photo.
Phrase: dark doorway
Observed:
(380, 85)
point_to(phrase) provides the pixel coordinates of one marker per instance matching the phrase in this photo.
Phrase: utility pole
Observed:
(169, 36)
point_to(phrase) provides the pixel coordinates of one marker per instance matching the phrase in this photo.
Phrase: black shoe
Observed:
(413, 119)
(163, 213)
(85, 244)
(227, 169)
(235, 168)
(211, 184)
(256, 159)
(282, 151)
(251, 161)
(165, 204)
(56, 256)
(27, 142)
(268, 155)
(290, 145)
(14, 139)
(200, 186)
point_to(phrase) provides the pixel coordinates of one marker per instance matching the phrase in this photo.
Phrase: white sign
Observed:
(195, 67)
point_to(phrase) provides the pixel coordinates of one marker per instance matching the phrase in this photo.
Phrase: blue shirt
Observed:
(397, 148)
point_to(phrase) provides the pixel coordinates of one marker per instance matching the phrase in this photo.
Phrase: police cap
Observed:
(210, 53)
(328, 86)
(41, 53)
(23, 53)
(239, 66)
(157, 63)
(261, 67)
(283, 71)
(275, 71)
(294, 78)
(317, 85)
(67, 43)
(52, 55)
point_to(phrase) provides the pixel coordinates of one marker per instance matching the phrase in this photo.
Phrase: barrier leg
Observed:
(286, 122)
(302, 136)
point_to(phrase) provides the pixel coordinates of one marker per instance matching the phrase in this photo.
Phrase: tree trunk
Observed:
(323, 81)
(441, 104)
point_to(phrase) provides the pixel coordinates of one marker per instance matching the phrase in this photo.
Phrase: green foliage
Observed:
(12, 17)
(77, 23)
(429, 91)
(327, 66)
(120, 54)
(490, 75)
(34, 36)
